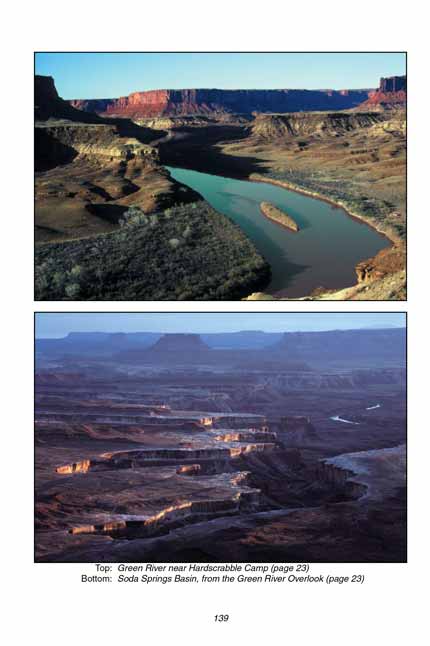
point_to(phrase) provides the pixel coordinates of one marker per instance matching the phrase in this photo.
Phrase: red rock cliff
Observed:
(392, 92)
(154, 103)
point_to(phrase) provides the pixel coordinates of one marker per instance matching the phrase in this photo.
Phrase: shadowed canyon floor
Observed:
(172, 448)
(106, 229)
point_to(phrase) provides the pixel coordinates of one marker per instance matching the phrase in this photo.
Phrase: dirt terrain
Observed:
(184, 452)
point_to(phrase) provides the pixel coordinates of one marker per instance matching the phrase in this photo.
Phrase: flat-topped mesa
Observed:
(157, 103)
(180, 343)
(277, 215)
(372, 344)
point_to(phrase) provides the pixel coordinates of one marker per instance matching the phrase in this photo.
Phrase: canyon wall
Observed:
(170, 103)
(95, 141)
(392, 93)
(157, 103)
(334, 124)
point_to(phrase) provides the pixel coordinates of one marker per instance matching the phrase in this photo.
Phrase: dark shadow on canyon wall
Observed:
(196, 149)
(49, 152)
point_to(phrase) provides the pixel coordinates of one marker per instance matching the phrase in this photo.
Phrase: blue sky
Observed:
(109, 75)
(60, 324)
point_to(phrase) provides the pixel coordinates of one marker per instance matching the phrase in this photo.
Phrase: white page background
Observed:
(46, 602)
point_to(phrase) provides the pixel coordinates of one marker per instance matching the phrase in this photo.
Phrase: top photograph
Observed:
(220, 176)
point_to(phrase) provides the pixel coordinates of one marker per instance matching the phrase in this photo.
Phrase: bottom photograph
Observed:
(220, 437)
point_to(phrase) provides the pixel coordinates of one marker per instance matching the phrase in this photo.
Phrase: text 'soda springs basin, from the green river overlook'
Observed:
(323, 253)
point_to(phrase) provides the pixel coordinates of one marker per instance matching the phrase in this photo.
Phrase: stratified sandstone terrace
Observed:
(187, 448)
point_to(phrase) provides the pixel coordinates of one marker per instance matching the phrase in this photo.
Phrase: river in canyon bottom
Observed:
(323, 253)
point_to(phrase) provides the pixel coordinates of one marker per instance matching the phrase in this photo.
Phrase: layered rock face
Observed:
(156, 103)
(393, 84)
(385, 263)
(392, 93)
(378, 473)
(275, 126)
(62, 132)
(99, 141)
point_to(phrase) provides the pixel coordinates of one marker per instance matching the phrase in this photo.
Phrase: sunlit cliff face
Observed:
(182, 510)
(76, 467)
(249, 448)
(189, 469)
(228, 437)
(207, 421)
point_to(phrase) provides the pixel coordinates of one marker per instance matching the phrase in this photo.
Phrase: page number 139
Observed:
(222, 618)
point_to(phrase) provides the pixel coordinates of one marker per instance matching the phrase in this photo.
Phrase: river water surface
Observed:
(322, 254)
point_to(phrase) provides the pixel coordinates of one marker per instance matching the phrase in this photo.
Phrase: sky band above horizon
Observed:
(103, 75)
(56, 324)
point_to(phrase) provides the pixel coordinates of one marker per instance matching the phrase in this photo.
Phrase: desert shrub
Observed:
(213, 260)
(59, 279)
(72, 290)
(133, 217)
(187, 232)
(76, 271)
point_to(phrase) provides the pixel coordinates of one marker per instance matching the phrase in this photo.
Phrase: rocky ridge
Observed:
(315, 124)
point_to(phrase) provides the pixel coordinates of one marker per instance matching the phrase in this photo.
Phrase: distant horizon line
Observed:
(226, 89)
(371, 327)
